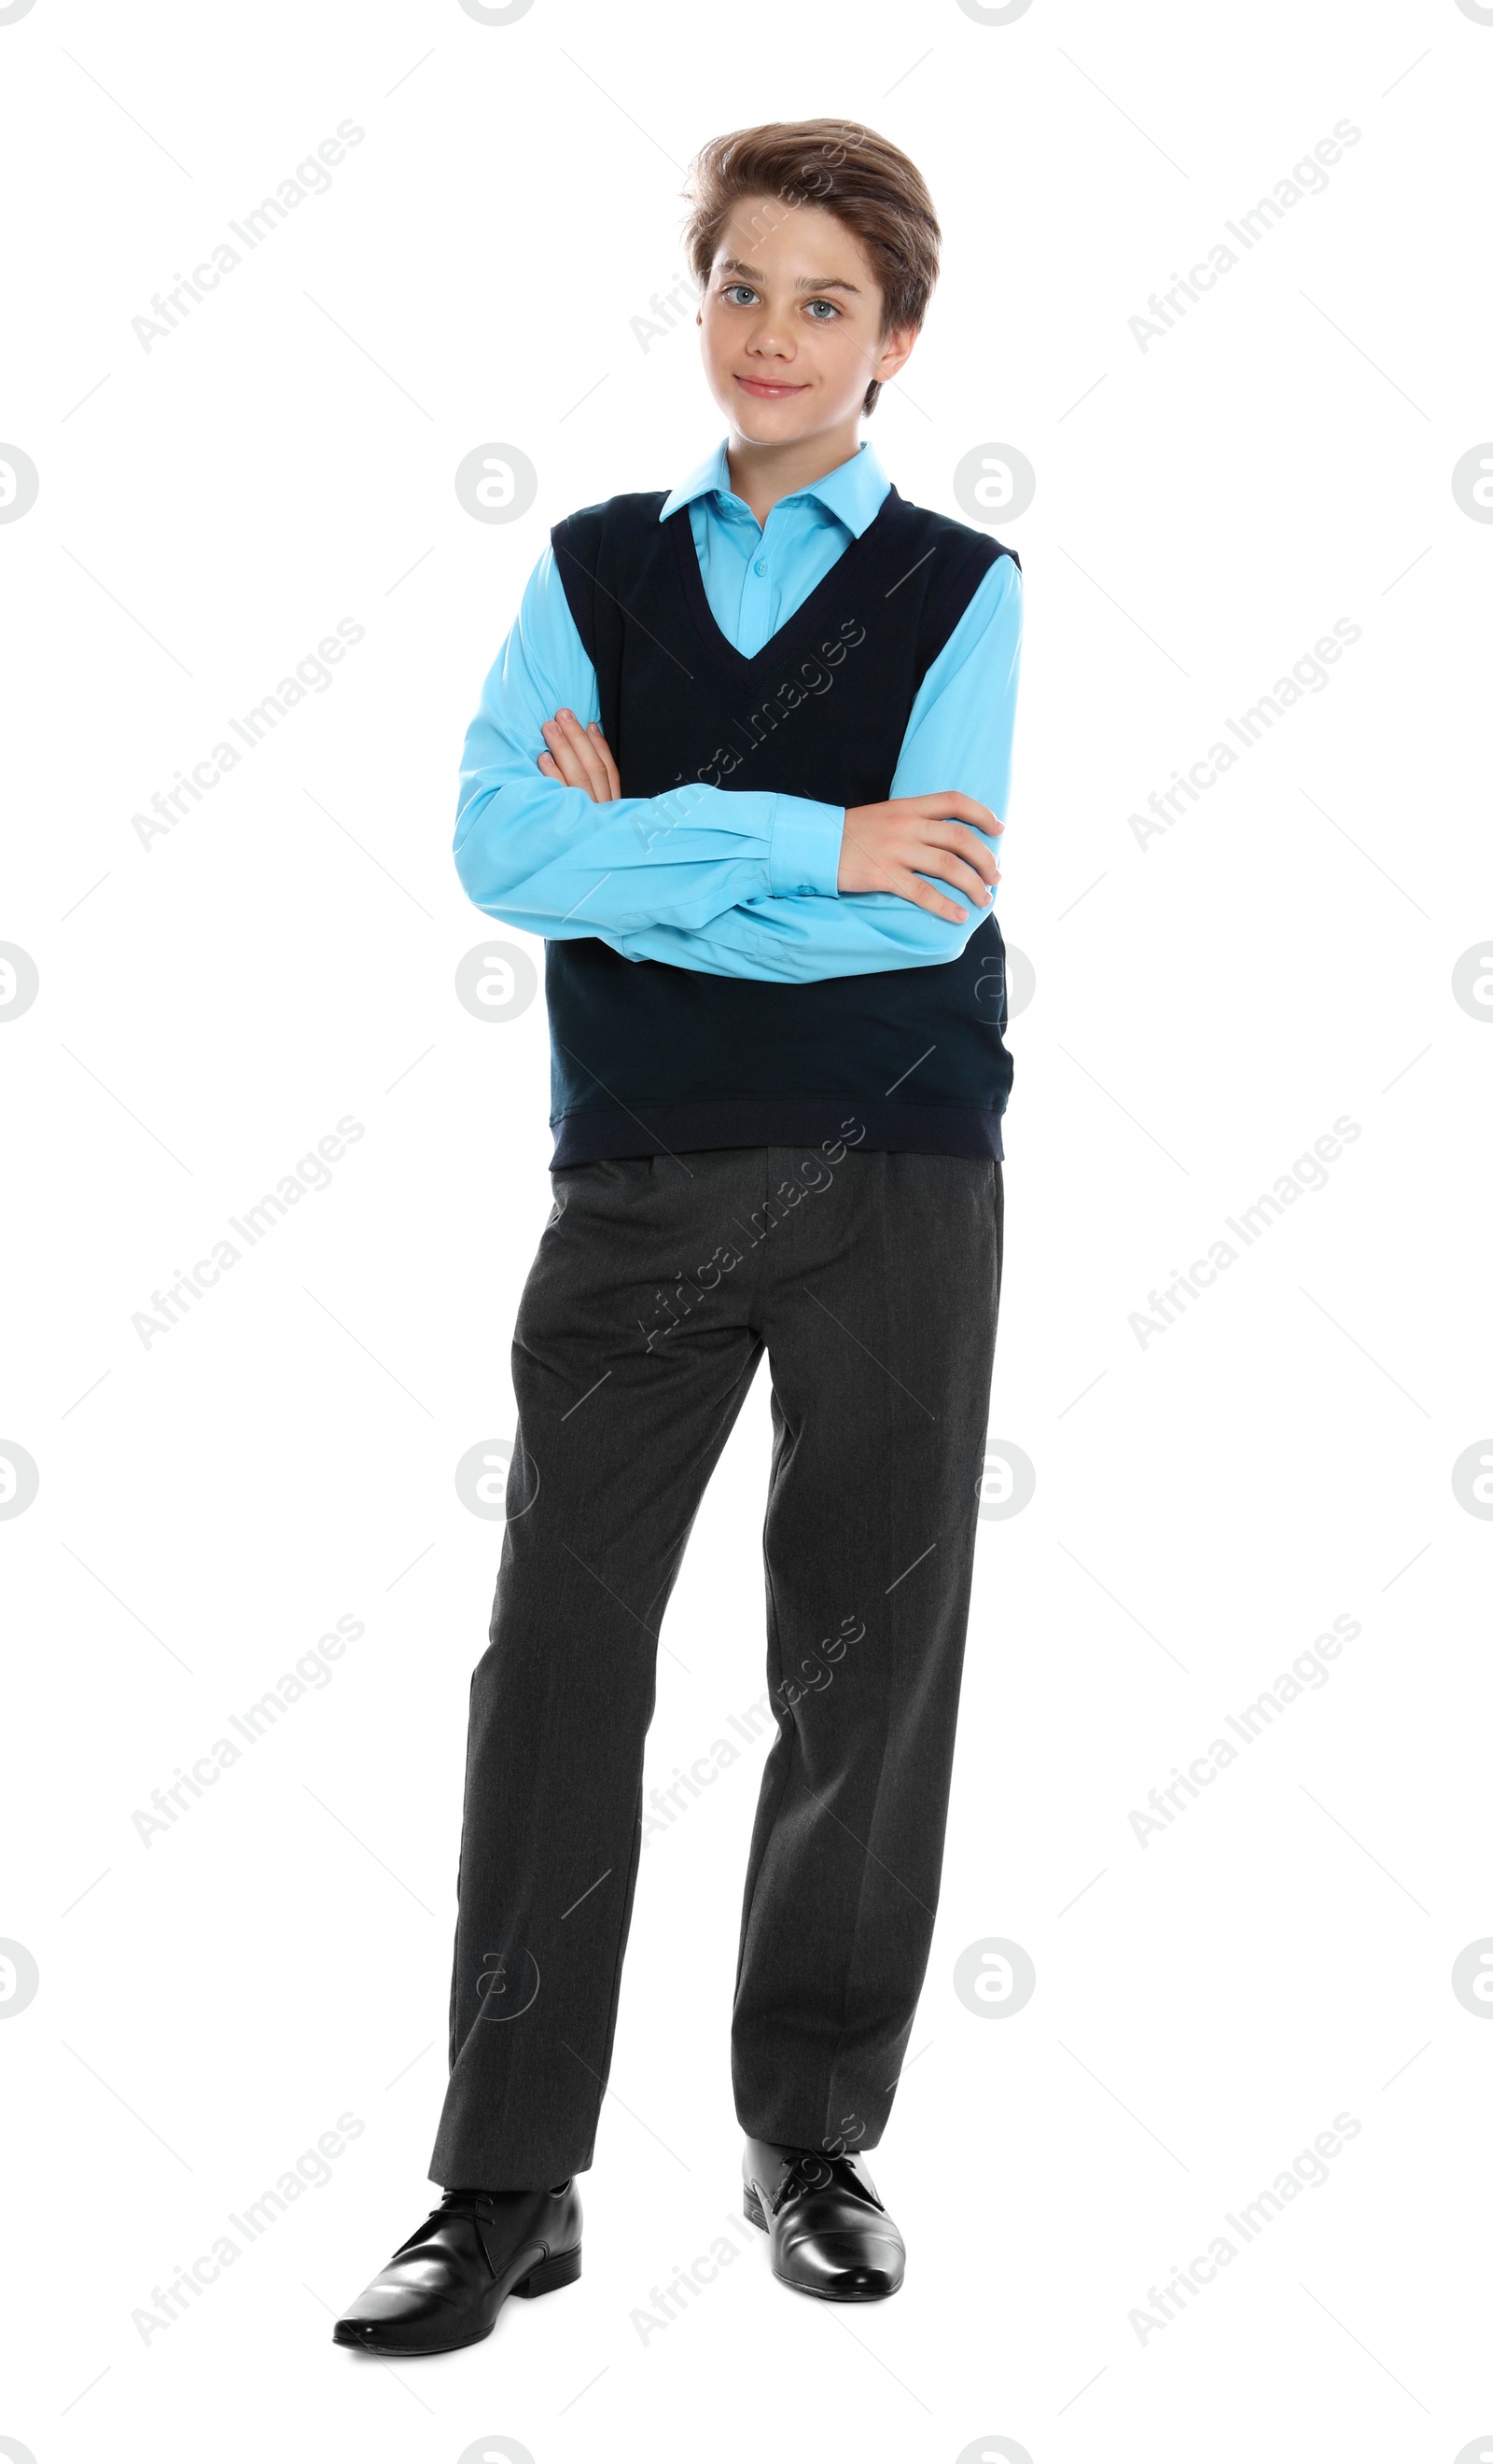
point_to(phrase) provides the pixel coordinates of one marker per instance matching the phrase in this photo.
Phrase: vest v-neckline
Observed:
(719, 644)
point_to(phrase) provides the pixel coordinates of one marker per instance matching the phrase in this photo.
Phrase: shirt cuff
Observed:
(804, 856)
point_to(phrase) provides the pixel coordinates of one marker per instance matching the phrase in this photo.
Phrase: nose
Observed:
(766, 341)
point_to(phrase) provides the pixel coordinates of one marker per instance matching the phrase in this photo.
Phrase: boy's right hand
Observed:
(892, 845)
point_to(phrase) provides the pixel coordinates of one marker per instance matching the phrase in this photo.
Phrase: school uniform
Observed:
(777, 1115)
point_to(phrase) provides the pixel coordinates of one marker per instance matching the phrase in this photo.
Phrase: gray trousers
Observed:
(872, 1282)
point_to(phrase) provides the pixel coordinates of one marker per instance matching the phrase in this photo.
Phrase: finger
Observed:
(922, 894)
(605, 751)
(952, 806)
(958, 877)
(578, 764)
(564, 755)
(593, 769)
(572, 768)
(567, 752)
(564, 771)
(941, 851)
(968, 846)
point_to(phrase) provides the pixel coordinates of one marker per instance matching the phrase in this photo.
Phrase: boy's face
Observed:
(790, 323)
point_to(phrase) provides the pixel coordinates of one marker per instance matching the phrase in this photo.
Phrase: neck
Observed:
(760, 475)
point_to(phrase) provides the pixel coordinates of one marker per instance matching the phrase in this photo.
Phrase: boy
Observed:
(776, 709)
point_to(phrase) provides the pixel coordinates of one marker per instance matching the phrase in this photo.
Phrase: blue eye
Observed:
(733, 288)
(823, 303)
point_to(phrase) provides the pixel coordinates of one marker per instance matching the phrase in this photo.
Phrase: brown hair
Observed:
(859, 178)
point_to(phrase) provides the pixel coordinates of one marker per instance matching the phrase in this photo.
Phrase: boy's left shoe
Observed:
(829, 2233)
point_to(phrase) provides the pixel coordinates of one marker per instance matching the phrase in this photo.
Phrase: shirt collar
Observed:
(853, 493)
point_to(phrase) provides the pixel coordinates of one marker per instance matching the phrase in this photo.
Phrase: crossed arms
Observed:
(739, 883)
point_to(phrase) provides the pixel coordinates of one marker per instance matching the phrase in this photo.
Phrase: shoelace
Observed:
(809, 2171)
(478, 2205)
(481, 2206)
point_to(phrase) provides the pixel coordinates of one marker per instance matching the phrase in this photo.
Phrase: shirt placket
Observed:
(759, 588)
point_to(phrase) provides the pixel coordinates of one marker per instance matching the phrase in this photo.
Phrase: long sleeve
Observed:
(958, 736)
(726, 882)
(542, 856)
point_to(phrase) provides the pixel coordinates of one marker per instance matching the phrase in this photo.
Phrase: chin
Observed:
(773, 422)
(757, 430)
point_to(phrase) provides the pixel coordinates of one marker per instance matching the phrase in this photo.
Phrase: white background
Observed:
(1205, 1505)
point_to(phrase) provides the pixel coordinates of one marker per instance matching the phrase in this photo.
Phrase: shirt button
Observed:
(761, 566)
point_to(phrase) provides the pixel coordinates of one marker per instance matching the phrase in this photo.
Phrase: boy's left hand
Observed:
(580, 757)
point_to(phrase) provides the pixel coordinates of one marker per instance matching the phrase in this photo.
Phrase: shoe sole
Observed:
(752, 2209)
(548, 2277)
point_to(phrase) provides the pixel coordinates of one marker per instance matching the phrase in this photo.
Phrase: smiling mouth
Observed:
(769, 389)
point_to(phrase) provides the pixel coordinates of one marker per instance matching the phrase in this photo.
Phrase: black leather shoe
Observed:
(828, 2230)
(444, 2286)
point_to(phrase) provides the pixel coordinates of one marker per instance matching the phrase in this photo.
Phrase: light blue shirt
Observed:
(731, 882)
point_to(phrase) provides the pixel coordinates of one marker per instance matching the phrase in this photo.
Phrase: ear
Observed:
(895, 351)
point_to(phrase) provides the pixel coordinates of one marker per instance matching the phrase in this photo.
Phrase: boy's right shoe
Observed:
(444, 2286)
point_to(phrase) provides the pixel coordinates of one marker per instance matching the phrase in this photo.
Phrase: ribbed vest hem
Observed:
(600, 1131)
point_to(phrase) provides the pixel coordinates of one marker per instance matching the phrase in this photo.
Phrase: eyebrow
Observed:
(805, 282)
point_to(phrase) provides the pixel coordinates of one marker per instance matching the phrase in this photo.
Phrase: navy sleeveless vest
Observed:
(649, 1059)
